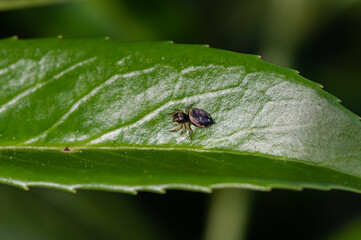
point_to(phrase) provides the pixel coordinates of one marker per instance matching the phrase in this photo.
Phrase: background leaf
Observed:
(109, 101)
(86, 215)
(350, 231)
(16, 4)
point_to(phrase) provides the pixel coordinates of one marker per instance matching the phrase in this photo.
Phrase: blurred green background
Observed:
(319, 38)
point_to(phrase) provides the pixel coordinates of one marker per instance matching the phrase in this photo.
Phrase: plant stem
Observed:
(228, 214)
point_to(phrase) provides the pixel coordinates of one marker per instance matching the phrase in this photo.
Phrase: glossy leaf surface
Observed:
(109, 101)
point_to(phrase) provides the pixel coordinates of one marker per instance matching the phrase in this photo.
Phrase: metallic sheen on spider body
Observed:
(197, 117)
(200, 118)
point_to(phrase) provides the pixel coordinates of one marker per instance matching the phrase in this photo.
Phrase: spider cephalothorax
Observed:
(195, 116)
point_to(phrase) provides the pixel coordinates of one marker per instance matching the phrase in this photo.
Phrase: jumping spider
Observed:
(195, 116)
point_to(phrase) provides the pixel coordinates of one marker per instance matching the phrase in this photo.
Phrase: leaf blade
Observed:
(111, 95)
(131, 170)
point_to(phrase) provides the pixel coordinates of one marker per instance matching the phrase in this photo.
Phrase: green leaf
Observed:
(109, 101)
(86, 215)
(6, 5)
(349, 231)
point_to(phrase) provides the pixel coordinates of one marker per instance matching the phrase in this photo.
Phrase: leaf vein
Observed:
(85, 98)
(30, 90)
(111, 134)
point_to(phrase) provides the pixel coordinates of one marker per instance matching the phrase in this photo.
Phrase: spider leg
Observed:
(189, 107)
(189, 130)
(177, 128)
(183, 128)
(175, 111)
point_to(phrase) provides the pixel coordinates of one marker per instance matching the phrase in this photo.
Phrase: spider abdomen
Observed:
(200, 118)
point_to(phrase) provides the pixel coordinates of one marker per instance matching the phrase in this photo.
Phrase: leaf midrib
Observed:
(97, 148)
